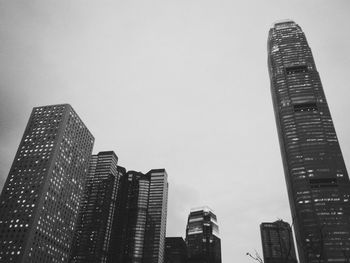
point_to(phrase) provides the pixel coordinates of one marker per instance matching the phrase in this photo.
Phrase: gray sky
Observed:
(176, 84)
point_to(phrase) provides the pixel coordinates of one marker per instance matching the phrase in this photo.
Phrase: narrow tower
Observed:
(202, 236)
(141, 226)
(317, 180)
(277, 242)
(40, 200)
(92, 242)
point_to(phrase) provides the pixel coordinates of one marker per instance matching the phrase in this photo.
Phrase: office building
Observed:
(92, 242)
(175, 250)
(156, 216)
(202, 236)
(277, 242)
(140, 230)
(317, 180)
(40, 200)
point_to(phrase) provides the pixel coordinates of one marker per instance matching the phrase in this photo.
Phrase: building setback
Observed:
(40, 199)
(317, 180)
(202, 236)
(140, 228)
(175, 250)
(92, 241)
(277, 242)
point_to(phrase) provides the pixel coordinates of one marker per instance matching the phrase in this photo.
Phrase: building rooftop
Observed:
(202, 208)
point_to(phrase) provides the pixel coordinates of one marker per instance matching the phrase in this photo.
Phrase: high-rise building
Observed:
(175, 250)
(140, 230)
(277, 242)
(317, 180)
(92, 242)
(202, 236)
(156, 216)
(40, 200)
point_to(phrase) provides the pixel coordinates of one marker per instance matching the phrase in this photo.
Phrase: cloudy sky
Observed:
(175, 84)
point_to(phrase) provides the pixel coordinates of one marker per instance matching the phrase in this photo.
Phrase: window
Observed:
(296, 69)
(308, 106)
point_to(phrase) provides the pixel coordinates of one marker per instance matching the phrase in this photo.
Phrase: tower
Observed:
(92, 241)
(202, 236)
(141, 226)
(156, 216)
(277, 242)
(315, 173)
(40, 199)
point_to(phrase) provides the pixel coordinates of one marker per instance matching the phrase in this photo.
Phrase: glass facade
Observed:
(317, 180)
(175, 250)
(40, 200)
(202, 236)
(156, 216)
(141, 226)
(277, 242)
(92, 241)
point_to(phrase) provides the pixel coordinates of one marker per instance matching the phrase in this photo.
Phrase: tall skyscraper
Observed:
(175, 250)
(317, 180)
(40, 199)
(202, 236)
(140, 234)
(156, 216)
(98, 210)
(277, 242)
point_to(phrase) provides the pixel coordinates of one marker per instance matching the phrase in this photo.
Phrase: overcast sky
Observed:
(181, 85)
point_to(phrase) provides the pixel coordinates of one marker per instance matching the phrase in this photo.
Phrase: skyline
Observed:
(209, 85)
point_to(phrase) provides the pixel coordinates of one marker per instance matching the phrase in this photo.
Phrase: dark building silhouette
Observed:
(277, 242)
(92, 242)
(141, 226)
(39, 202)
(316, 177)
(175, 250)
(202, 236)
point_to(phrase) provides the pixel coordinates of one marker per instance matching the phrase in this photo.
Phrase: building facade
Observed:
(317, 180)
(92, 241)
(40, 200)
(140, 229)
(277, 242)
(175, 250)
(202, 236)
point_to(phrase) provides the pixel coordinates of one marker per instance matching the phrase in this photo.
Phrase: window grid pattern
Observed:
(156, 217)
(277, 242)
(38, 205)
(317, 180)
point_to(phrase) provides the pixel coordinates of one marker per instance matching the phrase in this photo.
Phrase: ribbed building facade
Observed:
(40, 200)
(141, 227)
(317, 180)
(277, 242)
(156, 216)
(202, 236)
(93, 242)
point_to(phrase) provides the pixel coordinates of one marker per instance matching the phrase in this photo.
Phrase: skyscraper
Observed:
(317, 180)
(175, 250)
(141, 226)
(277, 242)
(40, 199)
(202, 236)
(156, 216)
(98, 210)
